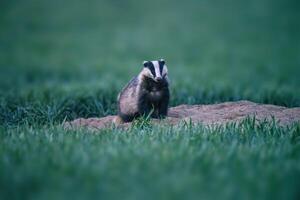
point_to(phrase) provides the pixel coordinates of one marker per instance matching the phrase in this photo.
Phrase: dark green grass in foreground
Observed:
(232, 162)
(64, 59)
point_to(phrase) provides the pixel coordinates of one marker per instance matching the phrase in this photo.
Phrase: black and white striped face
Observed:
(157, 70)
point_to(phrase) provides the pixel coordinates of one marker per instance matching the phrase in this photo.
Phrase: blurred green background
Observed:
(64, 59)
(215, 50)
(54, 51)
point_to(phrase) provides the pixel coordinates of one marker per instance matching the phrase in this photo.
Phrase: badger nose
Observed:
(158, 79)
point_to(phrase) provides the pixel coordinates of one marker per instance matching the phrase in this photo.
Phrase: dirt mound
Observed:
(207, 114)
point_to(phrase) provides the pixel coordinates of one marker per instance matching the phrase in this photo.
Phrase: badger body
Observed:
(146, 94)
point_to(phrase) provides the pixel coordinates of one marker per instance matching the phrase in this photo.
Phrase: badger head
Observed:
(156, 70)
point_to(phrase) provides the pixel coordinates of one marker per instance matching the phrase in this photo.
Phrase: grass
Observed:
(159, 162)
(61, 60)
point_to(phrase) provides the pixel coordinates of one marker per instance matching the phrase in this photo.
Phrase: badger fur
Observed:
(146, 94)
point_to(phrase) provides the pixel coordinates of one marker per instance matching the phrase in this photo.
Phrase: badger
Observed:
(146, 94)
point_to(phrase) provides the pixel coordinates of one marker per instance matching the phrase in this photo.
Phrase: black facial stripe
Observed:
(151, 67)
(161, 66)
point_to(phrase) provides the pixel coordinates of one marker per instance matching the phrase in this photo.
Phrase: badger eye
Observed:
(164, 76)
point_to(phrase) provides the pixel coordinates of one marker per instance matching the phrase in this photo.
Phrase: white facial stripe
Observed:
(165, 70)
(156, 67)
(147, 72)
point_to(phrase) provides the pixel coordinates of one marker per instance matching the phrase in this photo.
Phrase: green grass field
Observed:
(61, 60)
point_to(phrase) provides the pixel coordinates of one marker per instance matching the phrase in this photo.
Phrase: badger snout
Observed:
(158, 79)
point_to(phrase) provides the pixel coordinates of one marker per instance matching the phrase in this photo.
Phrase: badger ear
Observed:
(162, 61)
(145, 63)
